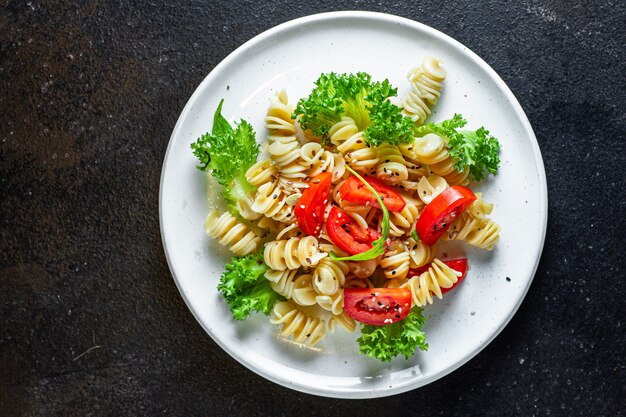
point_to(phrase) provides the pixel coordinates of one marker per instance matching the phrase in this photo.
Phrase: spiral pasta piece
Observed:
(292, 286)
(482, 233)
(261, 173)
(292, 253)
(278, 119)
(341, 320)
(302, 327)
(283, 146)
(403, 223)
(415, 169)
(272, 201)
(231, 233)
(351, 143)
(318, 160)
(480, 208)
(420, 253)
(426, 84)
(395, 262)
(430, 283)
(432, 149)
(391, 167)
(332, 302)
(430, 187)
(329, 276)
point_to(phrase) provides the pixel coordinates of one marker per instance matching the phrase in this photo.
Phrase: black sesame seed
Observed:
(508, 279)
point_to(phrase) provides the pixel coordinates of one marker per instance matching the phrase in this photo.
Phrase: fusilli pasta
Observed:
(231, 233)
(292, 253)
(426, 84)
(423, 286)
(303, 328)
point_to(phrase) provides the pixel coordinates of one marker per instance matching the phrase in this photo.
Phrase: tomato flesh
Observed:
(347, 235)
(310, 207)
(459, 265)
(441, 212)
(377, 306)
(355, 191)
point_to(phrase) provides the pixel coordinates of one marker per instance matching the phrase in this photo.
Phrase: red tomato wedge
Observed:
(355, 191)
(441, 212)
(377, 306)
(459, 265)
(310, 207)
(347, 235)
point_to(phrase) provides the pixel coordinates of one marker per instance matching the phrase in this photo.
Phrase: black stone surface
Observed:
(89, 95)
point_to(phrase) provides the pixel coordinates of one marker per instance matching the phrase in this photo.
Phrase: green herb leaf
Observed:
(378, 246)
(245, 287)
(474, 149)
(414, 235)
(228, 153)
(399, 338)
(358, 97)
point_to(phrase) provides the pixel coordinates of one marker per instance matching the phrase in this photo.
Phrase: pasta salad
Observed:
(345, 221)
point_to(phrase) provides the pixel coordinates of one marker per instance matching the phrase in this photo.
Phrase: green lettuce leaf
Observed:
(245, 288)
(399, 338)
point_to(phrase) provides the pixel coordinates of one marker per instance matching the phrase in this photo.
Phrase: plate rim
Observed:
(528, 130)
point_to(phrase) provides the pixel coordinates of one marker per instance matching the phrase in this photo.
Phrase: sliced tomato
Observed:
(441, 212)
(310, 207)
(377, 306)
(459, 265)
(346, 233)
(355, 191)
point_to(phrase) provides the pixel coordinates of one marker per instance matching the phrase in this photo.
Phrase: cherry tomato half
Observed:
(377, 306)
(459, 265)
(441, 212)
(310, 207)
(355, 191)
(347, 235)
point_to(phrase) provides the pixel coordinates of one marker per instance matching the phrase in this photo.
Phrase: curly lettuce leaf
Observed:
(358, 97)
(245, 288)
(399, 338)
(477, 150)
(228, 153)
(388, 125)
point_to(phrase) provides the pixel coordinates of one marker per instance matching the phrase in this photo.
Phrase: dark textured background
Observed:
(89, 95)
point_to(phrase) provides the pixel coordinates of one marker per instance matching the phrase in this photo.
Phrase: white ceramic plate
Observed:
(292, 56)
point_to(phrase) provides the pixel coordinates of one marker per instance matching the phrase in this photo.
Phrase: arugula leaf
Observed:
(245, 287)
(378, 246)
(477, 150)
(358, 97)
(228, 153)
(399, 338)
